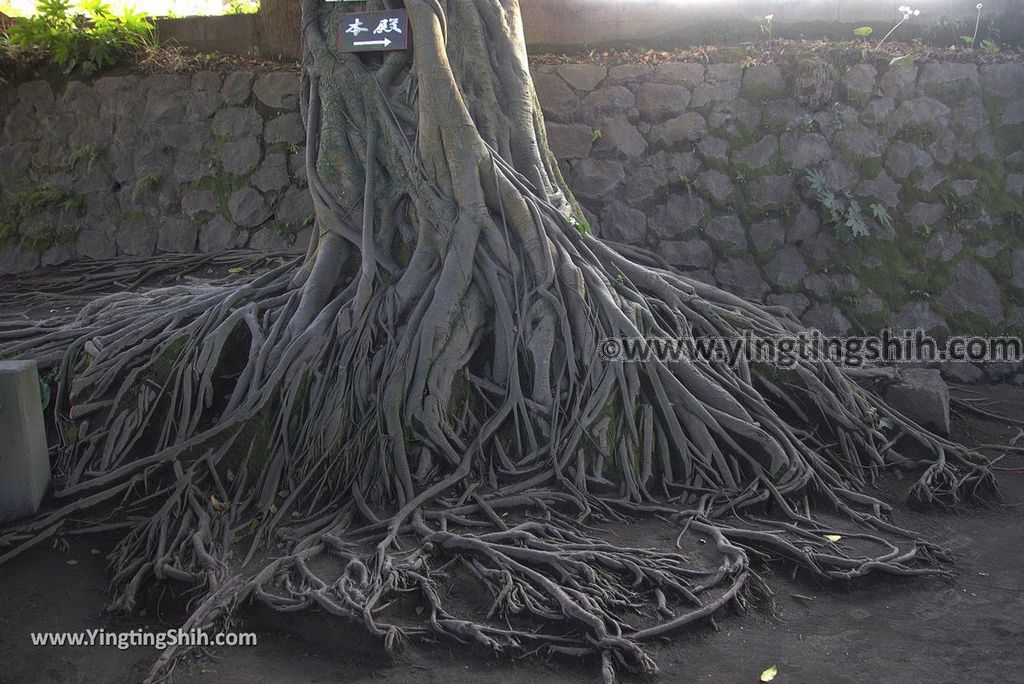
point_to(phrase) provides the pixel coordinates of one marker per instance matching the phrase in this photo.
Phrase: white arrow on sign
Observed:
(385, 42)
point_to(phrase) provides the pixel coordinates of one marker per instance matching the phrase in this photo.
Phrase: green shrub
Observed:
(86, 39)
(241, 7)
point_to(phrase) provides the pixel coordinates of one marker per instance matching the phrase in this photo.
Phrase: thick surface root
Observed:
(420, 404)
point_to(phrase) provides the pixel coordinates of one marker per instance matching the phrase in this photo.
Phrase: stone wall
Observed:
(706, 164)
(131, 165)
(709, 166)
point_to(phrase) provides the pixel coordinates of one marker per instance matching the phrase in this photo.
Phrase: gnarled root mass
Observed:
(420, 401)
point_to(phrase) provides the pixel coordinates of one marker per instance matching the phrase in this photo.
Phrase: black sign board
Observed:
(373, 31)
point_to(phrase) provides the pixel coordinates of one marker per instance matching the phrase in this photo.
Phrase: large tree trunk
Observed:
(388, 408)
(278, 26)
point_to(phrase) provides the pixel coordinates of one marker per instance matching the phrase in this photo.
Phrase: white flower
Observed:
(978, 6)
(903, 9)
(917, 12)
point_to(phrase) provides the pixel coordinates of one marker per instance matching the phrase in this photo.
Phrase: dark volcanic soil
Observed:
(970, 629)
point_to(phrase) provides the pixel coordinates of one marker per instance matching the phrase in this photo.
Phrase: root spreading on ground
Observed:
(419, 400)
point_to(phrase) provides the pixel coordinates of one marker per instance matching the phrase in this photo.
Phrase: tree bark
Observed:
(278, 26)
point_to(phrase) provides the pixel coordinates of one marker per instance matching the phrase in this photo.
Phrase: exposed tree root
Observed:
(385, 414)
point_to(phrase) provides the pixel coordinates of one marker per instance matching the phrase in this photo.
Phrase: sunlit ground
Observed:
(155, 8)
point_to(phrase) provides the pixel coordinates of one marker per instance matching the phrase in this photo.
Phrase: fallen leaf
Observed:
(833, 537)
(219, 505)
(72, 562)
(419, 610)
(94, 552)
(769, 674)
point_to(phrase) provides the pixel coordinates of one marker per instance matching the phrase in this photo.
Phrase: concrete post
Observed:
(24, 459)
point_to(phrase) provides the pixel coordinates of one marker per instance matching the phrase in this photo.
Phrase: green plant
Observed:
(73, 203)
(947, 31)
(843, 211)
(241, 7)
(86, 39)
(24, 204)
(147, 182)
(990, 46)
(88, 153)
(881, 214)
(36, 197)
(582, 225)
(863, 31)
(595, 135)
(687, 183)
(956, 206)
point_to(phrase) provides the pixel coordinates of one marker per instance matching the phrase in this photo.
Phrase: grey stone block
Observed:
(286, 128)
(801, 151)
(570, 141)
(679, 132)
(828, 319)
(294, 208)
(961, 372)
(278, 90)
(923, 397)
(678, 216)
(558, 101)
(217, 235)
(620, 138)
(607, 102)
(973, 291)
(796, 302)
(177, 235)
(709, 93)
(759, 154)
(918, 315)
(768, 235)
(860, 83)
(237, 122)
(735, 118)
(679, 73)
(764, 82)
(237, 87)
(622, 223)
(240, 157)
(729, 230)
(24, 459)
(715, 184)
(787, 268)
(273, 174)
(694, 253)
(625, 74)
(740, 276)
(248, 208)
(583, 77)
(595, 179)
(660, 101)
(16, 260)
